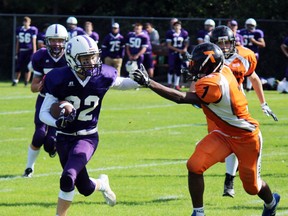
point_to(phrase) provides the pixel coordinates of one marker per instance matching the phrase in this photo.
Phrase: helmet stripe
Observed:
(88, 41)
(56, 29)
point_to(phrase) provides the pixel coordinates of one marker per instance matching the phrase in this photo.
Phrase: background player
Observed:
(43, 61)
(84, 83)
(72, 28)
(203, 34)
(26, 45)
(113, 48)
(177, 42)
(253, 39)
(242, 62)
(237, 132)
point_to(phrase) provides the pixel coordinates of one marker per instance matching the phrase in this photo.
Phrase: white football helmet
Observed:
(131, 66)
(209, 22)
(250, 24)
(72, 20)
(83, 45)
(56, 31)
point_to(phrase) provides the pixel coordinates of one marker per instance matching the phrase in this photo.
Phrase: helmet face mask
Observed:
(83, 56)
(224, 37)
(206, 58)
(55, 37)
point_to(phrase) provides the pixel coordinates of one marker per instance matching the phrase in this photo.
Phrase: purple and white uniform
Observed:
(136, 43)
(256, 34)
(113, 46)
(177, 40)
(74, 32)
(78, 141)
(25, 39)
(42, 63)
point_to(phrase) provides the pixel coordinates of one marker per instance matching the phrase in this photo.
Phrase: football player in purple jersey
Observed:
(253, 39)
(177, 41)
(25, 47)
(83, 83)
(72, 28)
(136, 44)
(203, 34)
(88, 28)
(113, 47)
(233, 25)
(44, 60)
(283, 84)
(41, 36)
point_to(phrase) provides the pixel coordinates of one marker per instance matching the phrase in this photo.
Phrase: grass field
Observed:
(145, 141)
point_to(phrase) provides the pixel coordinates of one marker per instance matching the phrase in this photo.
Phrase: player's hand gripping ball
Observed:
(64, 112)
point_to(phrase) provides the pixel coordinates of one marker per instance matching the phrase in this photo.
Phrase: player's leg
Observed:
(210, 150)
(177, 72)
(148, 64)
(74, 153)
(28, 73)
(17, 75)
(118, 64)
(249, 153)
(50, 141)
(231, 168)
(171, 63)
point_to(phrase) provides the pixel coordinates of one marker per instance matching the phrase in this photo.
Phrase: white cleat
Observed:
(108, 194)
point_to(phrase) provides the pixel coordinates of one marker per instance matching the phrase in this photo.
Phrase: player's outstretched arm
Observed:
(141, 77)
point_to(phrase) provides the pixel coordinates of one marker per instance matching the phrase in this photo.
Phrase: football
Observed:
(56, 108)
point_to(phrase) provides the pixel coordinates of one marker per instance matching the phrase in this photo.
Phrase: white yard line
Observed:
(99, 169)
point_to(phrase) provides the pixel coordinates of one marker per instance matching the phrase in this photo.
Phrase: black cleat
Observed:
(229, 186)
(28, 173)
(53, 153)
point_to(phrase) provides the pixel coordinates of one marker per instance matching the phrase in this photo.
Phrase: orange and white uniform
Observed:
(236, 132)
(242, 63)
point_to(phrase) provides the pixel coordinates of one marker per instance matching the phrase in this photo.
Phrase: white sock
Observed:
(270, 205)
(32, 156)
(176, 80)
(170, 76)
(231, 164)
(99, 186)
(248, 84)
(199, 211)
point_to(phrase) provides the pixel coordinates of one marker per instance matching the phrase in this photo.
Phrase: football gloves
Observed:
(63, 120)
(140, 76)
(267, 111)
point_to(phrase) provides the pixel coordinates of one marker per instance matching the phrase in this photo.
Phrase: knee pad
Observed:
(86, 189)
(66, 183)
(194, 167)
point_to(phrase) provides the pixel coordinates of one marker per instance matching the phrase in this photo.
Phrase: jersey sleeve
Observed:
(208, 90)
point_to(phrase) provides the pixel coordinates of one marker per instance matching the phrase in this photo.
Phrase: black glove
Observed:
(140, 76)
(62, 121)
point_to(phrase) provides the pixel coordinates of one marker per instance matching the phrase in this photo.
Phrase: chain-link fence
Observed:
(272, 62)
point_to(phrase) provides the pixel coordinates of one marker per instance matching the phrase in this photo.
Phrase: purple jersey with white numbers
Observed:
(94, 36)
(74, 32)
(25, 37)
(136, 42)
(256, 34)
(43, 62)
(113, 46)
(201, 34)
(177, 40)
(86, 96)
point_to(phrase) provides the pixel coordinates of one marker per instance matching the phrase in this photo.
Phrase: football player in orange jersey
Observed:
(242, 62)
(222, 100)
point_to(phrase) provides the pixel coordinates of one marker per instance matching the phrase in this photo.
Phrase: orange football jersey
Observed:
(225, 103)
(242, 63)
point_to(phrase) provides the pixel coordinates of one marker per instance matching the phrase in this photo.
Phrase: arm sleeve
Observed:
(122, 83)
(44, 114)
(207, 91)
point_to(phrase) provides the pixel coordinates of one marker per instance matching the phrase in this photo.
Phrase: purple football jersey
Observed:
(43, 62)
(177, 39)
(41, 37)
(201, 34)
(136, 42)
(86, 96)
(113, 46)
(74, 32)
(25, 37)
(256, 34)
